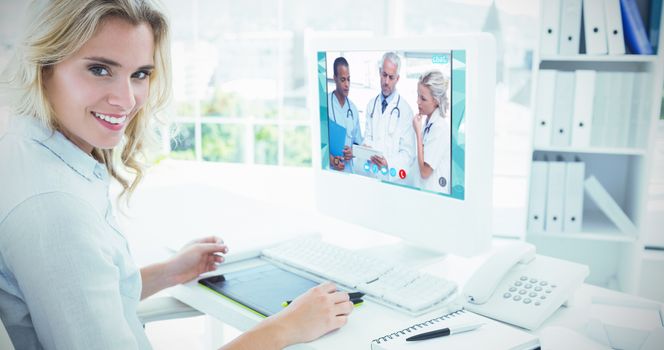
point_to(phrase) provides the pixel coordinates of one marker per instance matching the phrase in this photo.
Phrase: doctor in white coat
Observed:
(343, 112)
(434, 140)
(388, 126)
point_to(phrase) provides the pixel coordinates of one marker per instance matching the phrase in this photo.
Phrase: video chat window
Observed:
(373, 106)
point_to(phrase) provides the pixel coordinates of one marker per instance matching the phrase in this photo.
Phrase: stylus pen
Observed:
(445, 332)
(356, 302)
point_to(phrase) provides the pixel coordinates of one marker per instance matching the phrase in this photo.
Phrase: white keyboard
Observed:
(400, 288)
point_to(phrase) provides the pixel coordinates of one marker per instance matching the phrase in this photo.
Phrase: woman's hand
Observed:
(317, 312)
(196, 257)
(417, 124)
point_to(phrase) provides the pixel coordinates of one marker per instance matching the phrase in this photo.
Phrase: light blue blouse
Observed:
(67, 280)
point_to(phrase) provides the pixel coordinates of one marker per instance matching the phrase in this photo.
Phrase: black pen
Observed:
(445, 332)
(355, 297)
(356, 302)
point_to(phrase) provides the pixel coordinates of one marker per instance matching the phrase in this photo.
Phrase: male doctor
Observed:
(389, 126)
(343, 112)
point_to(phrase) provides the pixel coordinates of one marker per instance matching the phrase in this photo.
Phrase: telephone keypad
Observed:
(529, 290)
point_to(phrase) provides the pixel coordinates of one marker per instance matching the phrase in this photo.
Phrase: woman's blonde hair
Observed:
(59, 28)
(438, 85)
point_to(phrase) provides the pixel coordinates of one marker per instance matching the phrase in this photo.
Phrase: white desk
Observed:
(175, 214)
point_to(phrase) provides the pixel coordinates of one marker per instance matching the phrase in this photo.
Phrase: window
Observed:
(240, 71)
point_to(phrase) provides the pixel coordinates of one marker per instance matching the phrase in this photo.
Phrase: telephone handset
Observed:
(519, 287)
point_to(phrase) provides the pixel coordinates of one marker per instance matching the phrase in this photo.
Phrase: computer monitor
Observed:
(384, 186)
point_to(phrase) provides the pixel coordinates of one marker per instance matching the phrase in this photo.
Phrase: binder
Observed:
(655, 13)
(563, 109)
(570, 27)
(337, 138)
(635, 31)
(599, 109)
(537, 203)
(554, 196)
(584, 93)
(549, 27)
(594, 27)
(608, 206)
(612, 103)
(614, 29)
(492, 334)
(546, 86)
(573, 206)
(640, 111)
(623, 115)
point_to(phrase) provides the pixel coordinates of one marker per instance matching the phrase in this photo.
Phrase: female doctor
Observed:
(388, 123)
(433, 142)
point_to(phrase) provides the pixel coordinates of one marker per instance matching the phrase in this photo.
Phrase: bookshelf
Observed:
(620, 157)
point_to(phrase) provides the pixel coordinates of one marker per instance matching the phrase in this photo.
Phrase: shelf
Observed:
(587, 236)
(653, 255)
(596, 227)
(594, 150)
(598, 58)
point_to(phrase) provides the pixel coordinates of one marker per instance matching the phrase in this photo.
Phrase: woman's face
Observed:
(426, 104)
(97, 91)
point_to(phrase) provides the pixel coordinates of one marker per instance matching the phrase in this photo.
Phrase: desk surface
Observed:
(371, 320)
(174, 214)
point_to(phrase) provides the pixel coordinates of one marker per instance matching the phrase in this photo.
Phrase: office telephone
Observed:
(521, 288)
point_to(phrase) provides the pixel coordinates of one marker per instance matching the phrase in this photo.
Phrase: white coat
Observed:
(391, 132)
(436, 141)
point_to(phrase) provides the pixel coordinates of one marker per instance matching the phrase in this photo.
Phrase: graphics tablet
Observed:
(260, 289)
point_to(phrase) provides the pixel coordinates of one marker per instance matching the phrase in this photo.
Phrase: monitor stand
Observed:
(405, 254)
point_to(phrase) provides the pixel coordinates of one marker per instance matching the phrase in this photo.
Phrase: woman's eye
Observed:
(99, 71)
(141, 75)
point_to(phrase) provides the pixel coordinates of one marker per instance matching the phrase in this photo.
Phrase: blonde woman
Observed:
(434, 137)
(90, 76)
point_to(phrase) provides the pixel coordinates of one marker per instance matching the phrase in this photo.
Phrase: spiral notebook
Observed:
(492, 335)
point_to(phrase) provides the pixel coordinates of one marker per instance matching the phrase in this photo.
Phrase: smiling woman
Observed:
(96, 92)
(91, 74)
(83, 56)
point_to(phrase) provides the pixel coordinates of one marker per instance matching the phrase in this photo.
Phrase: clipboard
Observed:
(337, 139)
(260, 289)
(364, 153)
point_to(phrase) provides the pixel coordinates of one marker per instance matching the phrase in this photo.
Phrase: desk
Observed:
(173, 214)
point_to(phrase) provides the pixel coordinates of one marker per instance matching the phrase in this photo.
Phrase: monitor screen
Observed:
(403, 136)
(395, 116)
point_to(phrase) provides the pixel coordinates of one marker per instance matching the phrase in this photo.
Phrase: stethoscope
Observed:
(391, 125)
(427, 128)
(349, 113)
